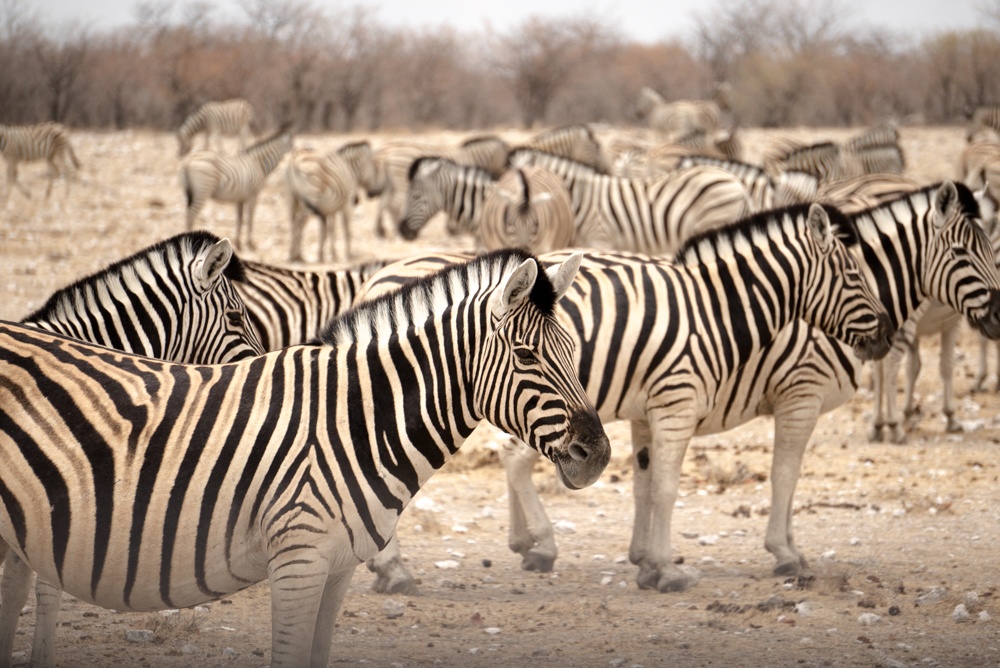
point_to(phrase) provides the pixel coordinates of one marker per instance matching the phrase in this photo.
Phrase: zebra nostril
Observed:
(578, 452)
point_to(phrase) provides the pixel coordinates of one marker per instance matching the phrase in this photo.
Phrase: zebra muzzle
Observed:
(587, 451)
(989, 324)
(878, 345)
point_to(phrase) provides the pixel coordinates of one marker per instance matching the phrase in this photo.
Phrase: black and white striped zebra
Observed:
(288, 307)
(573, 142)
(664, 344)
(927, 245)
(42, 141)
(488, 152)
(637, 215)
(215, 119)
(440, 184)
(984, 122)
(173, 301)
(683, 118)
(232, 178)
(765, 192)
(292, 466)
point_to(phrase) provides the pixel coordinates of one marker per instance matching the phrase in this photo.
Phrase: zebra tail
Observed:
(72, 156)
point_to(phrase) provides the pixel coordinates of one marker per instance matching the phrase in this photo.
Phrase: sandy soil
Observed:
(904, 532)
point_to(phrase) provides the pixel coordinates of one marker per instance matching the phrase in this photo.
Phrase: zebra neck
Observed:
(892, 257)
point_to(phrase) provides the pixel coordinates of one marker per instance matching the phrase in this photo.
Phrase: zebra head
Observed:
(216, 311)
(961, 267)
(429, 177)
(837, 298)
(527, 383)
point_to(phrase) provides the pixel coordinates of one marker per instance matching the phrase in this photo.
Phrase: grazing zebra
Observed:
(173, 301)
(529, 207)
(440, 184)
(823, 160)
(573, 142)
(927, 245)
(394, 160)
(652, 216)
(229, 117)
(288, 307)
(664, 344)
(292, 466)
(984, 119)
(232, 178)
(683, 118)
(43, 141)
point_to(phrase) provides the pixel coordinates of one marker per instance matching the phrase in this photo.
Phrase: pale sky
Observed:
(642, 20)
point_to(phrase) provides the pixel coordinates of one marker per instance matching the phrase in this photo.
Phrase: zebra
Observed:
(394, 160)
(668, 358)
(488, 152)
(573, 142)
(440, 184)
(174, 301)
(683, 118)
(652, 216)
(926, 245)
(992, 227)
(288, 307)
(42, 141)
(238, 178)
(765, 192)
(823, 160)
(528, 207)
(323, 184)
(228, 117)
(270, 468)
(866, 191)
(983, 121)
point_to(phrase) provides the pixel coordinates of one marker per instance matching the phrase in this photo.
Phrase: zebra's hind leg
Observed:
(947, 370)
(333, 598)
(530, 533)
(300, 581)
(14, 588)
(911, 409)
(980, 380)
(48, 600)
(391, 576)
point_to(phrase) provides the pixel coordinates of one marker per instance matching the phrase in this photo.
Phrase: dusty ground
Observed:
(883, 525)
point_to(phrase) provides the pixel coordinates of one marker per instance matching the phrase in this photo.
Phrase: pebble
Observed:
(189, 649)
(932, 595)
(617, 663)
(869, 618)
(393, 609)
(230, 653)
(138, 635)
(689, 534)
(984, 616)
(565, 526)
(492, 630)
(960, 613)
(447, 564)
(710, 539)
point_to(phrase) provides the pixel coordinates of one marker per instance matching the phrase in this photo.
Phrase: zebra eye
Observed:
(235, 318)
(525, 355)
(960, 252)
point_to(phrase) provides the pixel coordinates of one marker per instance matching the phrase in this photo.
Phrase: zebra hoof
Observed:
(954, 426)
(788, 568)
(541, 563)
(876, 434)
(397, 584)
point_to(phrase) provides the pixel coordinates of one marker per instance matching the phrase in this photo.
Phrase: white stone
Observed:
(960, 613)
(138, 635)
(492, 630)
(868, 618)
(565, 526)
(711, 539)
(447, 564)
(393, 609)
(189, 649)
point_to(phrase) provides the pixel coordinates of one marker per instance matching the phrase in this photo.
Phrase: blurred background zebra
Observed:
(42, 141)
(215, 120)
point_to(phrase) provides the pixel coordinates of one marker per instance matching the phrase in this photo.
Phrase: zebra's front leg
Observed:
(911, 409)
(530, 533)
(657, 475)
(946, 367)
(391, 576)
(12, 181)
(299, 578)
(14, 587)
(792, 428)
(980, 380)
(251, 208)
(333, 597)
(886, 394)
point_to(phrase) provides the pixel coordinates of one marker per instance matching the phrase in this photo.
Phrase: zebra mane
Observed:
(966, 201)
(549, 154)
(418, 300)
(480, 139)
(184, 246)
(262, 143)
(350, 146)
(415, 165)
(722, 240)
(824, 147)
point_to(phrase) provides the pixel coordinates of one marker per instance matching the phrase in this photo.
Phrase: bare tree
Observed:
(62, 65)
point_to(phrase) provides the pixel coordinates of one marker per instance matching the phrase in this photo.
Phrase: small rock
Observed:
(564, 526)
(855, 541)
(803, 608)
(829, 555)
(138, 635)
(230, 653)
(894, 610)
(393, 609)
(189, 649)
(689, 534)
(202, 609)
(960, 613)
(932, 595)
(984, 616)
(474, 650)
(492, 630)
(711, 539)
(617, 663)
(869, 618)
(447, 564)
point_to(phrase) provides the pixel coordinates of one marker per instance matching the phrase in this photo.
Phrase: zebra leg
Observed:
(391, 576)
(947, 369)
(793, 425)
(980, 380)
(345, 218)
(333, 598)
(48, 600)
(14, 587)
(298, 216)
(876, 434)
(299, 579)
(530, 533)
(657, 475)
(53, 173)
(911, 409)
(997, 387)
(251, 208)
(887, 394)
(325, 236)
(12, 179)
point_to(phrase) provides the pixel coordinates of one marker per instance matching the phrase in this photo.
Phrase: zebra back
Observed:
(174, 301)
(573, 142)
(228, 117)
(488, 152)
(361, 158)
(757, 182)
(530, 208)
(866, 191)
(288, 307)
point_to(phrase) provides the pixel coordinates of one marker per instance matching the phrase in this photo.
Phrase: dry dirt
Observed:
(883, 525)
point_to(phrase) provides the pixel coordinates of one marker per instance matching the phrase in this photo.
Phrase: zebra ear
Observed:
(945, 203)
(819, 225)
(213, 262)
(562, 275)
(516, 289)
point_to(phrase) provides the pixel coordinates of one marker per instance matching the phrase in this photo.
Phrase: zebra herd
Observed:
(187, 422)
